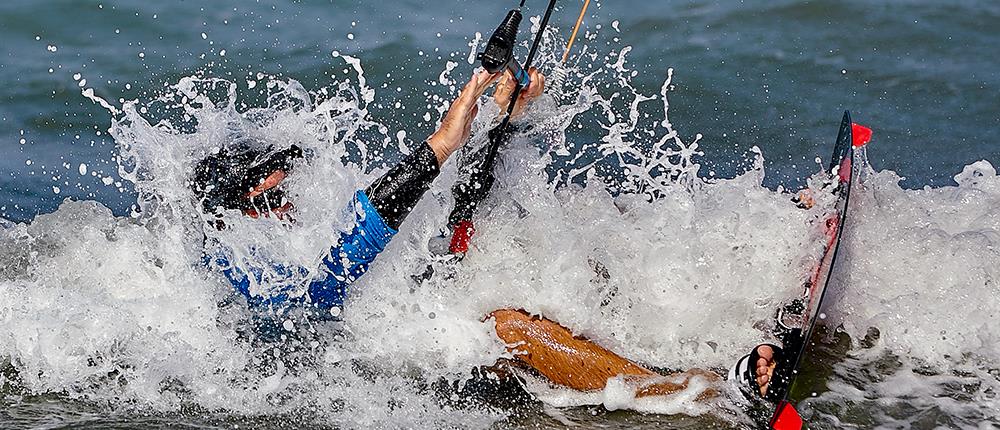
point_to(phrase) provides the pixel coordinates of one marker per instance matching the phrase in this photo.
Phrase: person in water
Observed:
(247, 177)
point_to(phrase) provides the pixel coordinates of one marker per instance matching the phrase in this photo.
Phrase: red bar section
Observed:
(461, 236)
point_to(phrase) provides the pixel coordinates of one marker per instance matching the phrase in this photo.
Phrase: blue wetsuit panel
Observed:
(345, 263)
(350, 259)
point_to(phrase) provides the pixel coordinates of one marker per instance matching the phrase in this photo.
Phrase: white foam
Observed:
(88, 300)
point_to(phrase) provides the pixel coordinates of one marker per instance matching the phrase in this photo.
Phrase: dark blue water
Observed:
(777, 75)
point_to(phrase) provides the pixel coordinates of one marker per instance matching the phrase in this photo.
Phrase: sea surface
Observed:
(668, 154)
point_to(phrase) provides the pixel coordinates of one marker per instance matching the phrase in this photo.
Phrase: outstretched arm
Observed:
(396, 193)
(380, 209)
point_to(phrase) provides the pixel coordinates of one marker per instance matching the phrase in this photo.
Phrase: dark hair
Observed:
(223, 179)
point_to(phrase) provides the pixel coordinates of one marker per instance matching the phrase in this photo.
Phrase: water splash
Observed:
(601, 221)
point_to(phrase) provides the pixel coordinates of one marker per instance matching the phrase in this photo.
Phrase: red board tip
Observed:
(787, 418)
(460, 237)
(861, 134)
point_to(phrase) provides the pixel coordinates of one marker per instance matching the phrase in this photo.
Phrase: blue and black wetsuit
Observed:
(378, 212)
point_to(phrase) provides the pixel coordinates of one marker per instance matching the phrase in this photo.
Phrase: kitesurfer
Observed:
(247, 177)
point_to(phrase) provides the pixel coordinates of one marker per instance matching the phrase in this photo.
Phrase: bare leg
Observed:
(578, 363)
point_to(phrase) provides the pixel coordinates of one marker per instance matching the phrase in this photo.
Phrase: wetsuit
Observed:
(378, 212)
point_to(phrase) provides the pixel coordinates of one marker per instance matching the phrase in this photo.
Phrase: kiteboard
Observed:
(797, 337)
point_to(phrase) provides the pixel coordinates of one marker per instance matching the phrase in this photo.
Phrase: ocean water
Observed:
(721, 110)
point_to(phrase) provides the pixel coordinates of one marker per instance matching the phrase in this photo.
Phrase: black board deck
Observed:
(799, 340)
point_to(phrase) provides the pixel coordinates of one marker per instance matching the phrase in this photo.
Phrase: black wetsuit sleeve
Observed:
(396, 193)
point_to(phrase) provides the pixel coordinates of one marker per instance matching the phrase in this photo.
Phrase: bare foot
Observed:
(764, 367)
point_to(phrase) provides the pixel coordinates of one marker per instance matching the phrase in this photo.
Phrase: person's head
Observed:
(244, 178)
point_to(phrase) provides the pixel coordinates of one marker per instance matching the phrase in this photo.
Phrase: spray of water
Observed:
(618, 237)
